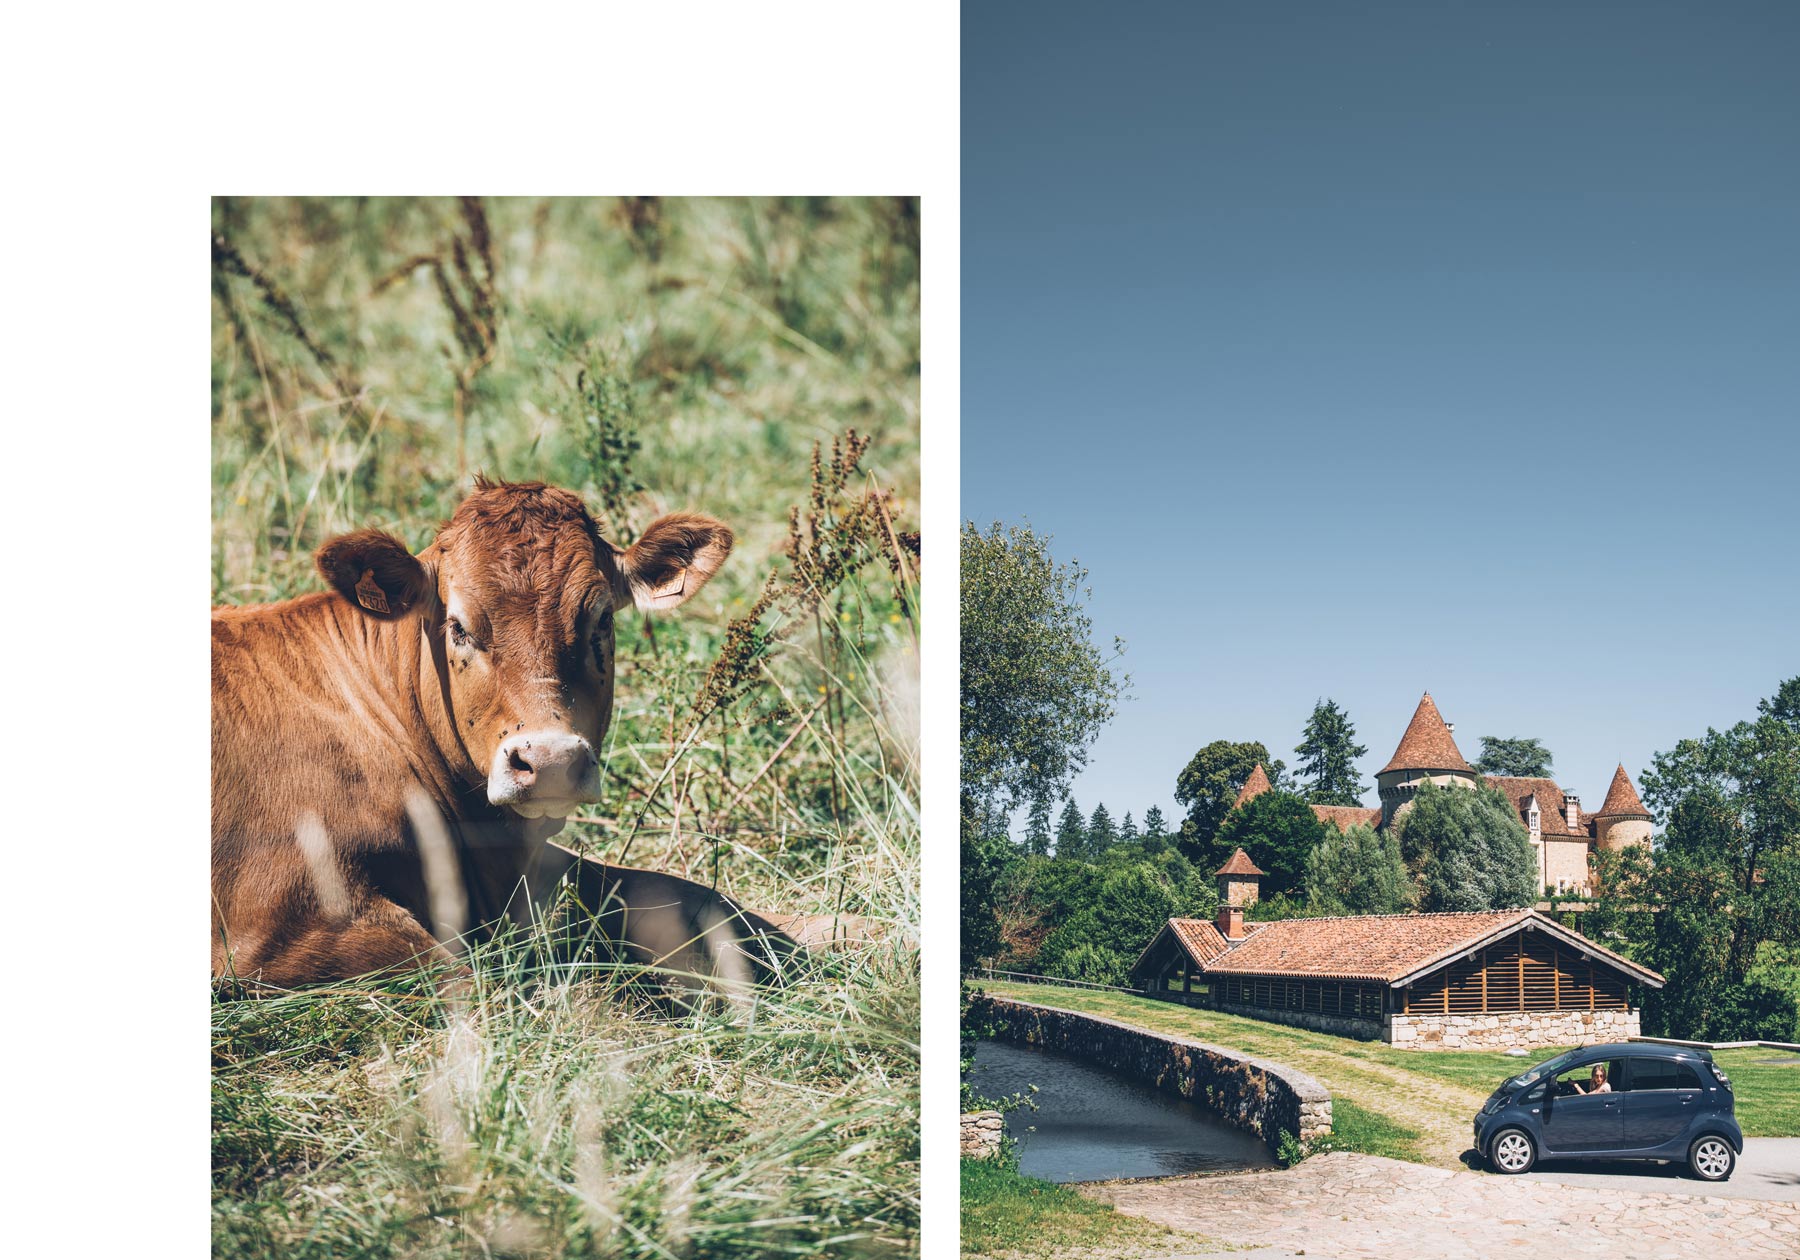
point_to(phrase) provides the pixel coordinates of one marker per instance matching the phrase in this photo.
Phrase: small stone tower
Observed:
(1426, 751)
(1622, 820)
(1240, 884)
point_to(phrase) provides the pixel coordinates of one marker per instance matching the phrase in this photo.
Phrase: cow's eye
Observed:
(458, 635)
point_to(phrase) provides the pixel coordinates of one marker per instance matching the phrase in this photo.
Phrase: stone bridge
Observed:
(1255, 1094)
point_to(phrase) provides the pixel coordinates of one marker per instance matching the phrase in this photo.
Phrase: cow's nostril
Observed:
(515, 759)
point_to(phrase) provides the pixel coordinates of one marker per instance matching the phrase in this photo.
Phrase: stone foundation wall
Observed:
(1368, 1029)
(1521, 1030)
(1254, 1094)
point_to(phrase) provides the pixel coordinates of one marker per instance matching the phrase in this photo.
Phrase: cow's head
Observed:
(518, 592)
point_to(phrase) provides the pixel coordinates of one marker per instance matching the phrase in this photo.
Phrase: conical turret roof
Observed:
(1427, 744)
(1622, 798)
(1255, 785)
(1239, 863)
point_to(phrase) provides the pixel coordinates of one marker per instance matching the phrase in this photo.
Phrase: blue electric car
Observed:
(1624, 1101)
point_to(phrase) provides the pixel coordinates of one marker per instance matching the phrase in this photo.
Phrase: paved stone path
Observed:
(1364, 1207)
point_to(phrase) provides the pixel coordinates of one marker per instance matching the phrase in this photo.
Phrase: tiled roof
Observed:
(1622, 798)
(1344, 817)
(1427, 744)
(1383, 947)
(1239, 863)
(1255, 785)
(1200, 937)
(1551, 817)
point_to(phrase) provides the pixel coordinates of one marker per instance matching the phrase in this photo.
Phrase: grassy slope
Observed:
(684, 355)
(1433, 1093)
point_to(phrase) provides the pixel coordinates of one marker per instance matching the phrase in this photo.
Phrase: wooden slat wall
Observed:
(1528, 972)
(1325, 997)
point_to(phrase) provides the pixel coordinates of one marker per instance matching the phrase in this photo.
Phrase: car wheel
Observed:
(1512, 1151)
(1712, 1158)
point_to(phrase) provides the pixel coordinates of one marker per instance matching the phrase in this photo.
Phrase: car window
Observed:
(1661, 1074)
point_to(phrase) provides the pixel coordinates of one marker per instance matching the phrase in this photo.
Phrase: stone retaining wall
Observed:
(981, 1133)
(1520, 1031)
(1249, 1093)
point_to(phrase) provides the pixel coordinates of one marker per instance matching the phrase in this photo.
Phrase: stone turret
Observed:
(1622, 819)
(1427, 751)
(1240, 884)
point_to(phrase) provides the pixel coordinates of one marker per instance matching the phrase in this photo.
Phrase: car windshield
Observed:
(1549, 1067)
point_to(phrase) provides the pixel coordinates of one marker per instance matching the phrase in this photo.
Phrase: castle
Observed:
(1562, 833)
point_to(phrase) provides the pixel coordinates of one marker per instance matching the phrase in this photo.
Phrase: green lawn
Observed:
(1004, 1213)
(1410, 1104)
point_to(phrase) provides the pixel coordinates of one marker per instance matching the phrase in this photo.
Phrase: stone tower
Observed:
(1240, 884)
(1426, 751)
(1622, 820)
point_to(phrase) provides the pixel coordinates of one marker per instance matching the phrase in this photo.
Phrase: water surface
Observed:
(1092, 1124)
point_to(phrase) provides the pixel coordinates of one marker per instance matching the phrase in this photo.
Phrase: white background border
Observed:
(123, 122)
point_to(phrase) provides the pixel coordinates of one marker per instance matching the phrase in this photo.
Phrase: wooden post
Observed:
(1484, 993)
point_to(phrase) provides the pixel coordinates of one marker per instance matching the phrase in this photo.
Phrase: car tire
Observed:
(1512, 1152)
(1711, 1158)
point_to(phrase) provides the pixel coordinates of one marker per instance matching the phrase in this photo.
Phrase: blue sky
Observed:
(1364, 350)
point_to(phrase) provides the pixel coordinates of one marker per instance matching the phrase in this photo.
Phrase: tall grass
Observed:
(756, 360)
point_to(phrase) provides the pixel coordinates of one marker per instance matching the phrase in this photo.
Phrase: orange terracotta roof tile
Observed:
(1344, 817)
(1552, 819)
(1385, 947)
(1200, 937)
(1239, 863)
(1427, 744)
(1622, 798)
(1255, 785)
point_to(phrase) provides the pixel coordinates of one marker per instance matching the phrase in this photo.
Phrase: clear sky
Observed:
(1362, 350)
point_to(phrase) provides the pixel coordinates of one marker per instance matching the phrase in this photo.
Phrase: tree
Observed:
(1327, 757)
(1128, 830)
(1156, 831)
(1130, 907)
(1467, 850)
(1513, 758)
(1102, 835)
(1357, 871)
(986, 854)
(1726, 879)
(1035, 691)
(1037, 827)
(1209, 784)
(1278, 830)
(1071, 833)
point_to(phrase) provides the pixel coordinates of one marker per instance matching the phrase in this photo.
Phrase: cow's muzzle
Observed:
(540, 773)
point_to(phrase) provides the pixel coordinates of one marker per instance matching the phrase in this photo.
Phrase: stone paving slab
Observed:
(1365, 1207)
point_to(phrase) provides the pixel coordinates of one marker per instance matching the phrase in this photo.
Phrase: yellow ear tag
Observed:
(369, 593)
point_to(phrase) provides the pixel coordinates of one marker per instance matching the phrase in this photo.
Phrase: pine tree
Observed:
(1102, 835)
(1128, 830)
(1156, 830)
(1037, 827)
(1328, 753)
(1071, 832)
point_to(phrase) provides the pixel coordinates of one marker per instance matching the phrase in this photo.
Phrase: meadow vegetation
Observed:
(758, 361)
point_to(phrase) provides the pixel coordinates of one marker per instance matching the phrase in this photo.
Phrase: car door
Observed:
(1659, 1101)
(1575, 1123)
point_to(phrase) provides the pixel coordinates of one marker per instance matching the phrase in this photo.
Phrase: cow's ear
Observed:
(672, 560)
(374, 571)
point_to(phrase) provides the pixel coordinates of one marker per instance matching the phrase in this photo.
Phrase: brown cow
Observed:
(389, 757)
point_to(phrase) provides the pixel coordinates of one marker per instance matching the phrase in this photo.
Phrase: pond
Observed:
(1092, 1124)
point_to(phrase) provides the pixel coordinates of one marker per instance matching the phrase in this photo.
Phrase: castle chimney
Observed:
(1572, 811)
